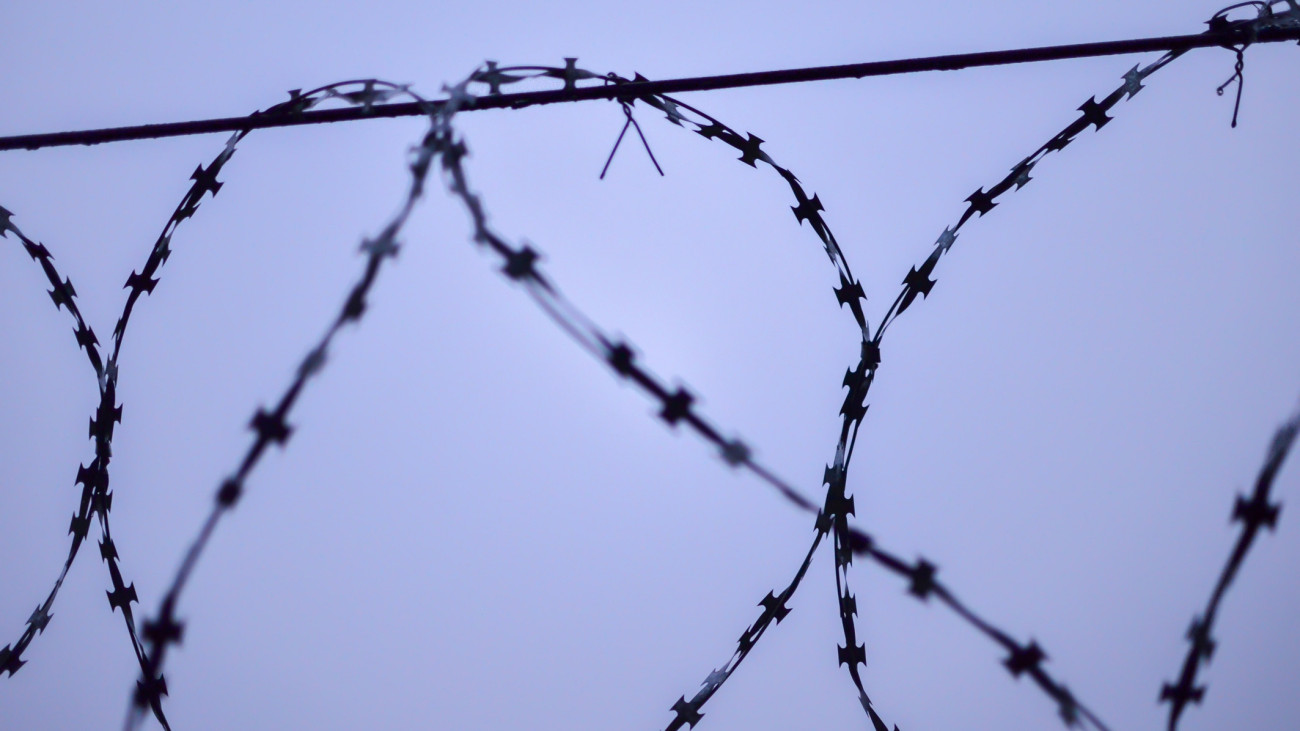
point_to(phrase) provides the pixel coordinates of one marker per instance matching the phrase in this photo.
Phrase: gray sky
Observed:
(476, 526)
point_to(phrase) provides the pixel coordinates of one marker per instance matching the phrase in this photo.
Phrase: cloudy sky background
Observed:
(476, 526)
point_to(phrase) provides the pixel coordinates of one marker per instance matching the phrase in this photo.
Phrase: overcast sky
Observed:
(476, 526)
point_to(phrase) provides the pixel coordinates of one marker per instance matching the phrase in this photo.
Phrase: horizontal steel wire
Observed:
(1225, 36)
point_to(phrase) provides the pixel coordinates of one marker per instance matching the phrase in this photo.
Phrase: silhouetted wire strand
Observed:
(64, 296)
(1253, 513)
(676, 406)
(520, 266)
(1225, 37)
(96, 498)
(271, 428)
(918, 282)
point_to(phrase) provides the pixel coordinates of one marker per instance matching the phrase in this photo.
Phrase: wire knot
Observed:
(1237, 77)
(631, 121)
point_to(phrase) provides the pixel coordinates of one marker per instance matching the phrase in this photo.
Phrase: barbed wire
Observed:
(1253, 513)
(272, 428)
(838, 505)
(64, 296)
(96, 499)
(520, 264)
(677, 407)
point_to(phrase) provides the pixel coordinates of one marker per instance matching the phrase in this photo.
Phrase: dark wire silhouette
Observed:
(677, 406)
(631, 122)
(1253, 513)
(1224, 34)
(272, 427)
